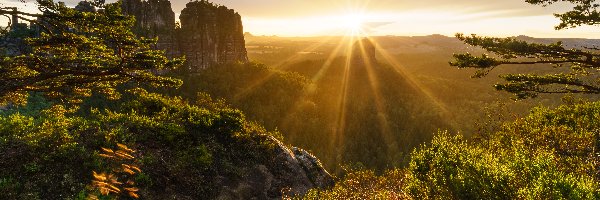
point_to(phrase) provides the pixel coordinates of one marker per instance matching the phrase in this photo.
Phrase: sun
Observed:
(354, 23)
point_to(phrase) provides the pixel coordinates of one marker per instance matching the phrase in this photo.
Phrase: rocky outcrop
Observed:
(216, 30)
(363, 53)
(208, 34)
(291, 172)
(153, 17)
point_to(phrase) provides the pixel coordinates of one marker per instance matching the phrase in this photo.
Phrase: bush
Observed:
(365, 184)
(180, 148)
(550, 154)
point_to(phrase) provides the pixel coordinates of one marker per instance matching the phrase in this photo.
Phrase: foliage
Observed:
(308, 113)
(49, 152)
(550, 154)
(35, 104)
(364, 184)
(80, 52)
(261, 92)
(585, 12)
(574, 69)
(180, 148)
(452, 169)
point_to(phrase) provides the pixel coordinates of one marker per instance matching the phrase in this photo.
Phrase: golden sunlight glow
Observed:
(354, 23)
(386, 17)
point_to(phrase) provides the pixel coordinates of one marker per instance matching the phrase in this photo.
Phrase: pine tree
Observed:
(576, 70)
(78, 53)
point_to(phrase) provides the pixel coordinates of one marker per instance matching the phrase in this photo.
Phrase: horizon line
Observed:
(416, 35)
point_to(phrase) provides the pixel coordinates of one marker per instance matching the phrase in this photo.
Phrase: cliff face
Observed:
(208, 34)
(154, 18)
(218, 31)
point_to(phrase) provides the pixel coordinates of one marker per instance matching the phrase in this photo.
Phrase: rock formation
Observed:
(154, 18)
(291, 172)
(216, 30)
(208, 34)
(363, 53)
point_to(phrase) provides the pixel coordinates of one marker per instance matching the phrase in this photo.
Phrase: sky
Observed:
(391, 17)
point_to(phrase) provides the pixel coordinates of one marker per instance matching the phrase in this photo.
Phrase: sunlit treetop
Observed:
(585, 12)
(574, 70)
(80, 53)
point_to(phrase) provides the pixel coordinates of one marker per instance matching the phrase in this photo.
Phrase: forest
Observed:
(90, 108)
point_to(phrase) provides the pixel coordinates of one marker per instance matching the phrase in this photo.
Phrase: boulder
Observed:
(291, 172)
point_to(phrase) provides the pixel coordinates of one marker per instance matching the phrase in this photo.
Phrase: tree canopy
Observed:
(585, 12)
(575, 70)
(78, 53)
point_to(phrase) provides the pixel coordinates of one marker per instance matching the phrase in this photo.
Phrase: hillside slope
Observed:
(183, 151)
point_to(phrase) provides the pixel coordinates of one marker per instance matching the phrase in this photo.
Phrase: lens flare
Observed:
(354, 23)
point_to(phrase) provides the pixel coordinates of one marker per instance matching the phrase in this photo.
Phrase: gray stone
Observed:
(290, 172)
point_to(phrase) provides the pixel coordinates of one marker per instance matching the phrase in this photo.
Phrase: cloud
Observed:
(376, 24)
(371, 27)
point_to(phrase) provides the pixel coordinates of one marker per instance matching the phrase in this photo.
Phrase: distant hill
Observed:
(579, 43)
(421, 63)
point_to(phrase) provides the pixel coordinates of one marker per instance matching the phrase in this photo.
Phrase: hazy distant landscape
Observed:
(424, 59)
(465, 105)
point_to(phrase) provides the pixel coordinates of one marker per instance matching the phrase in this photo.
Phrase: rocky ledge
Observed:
(291, 172)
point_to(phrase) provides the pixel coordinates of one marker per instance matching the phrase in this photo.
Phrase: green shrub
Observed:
(550, 154)
(179, 147)
(364, 184)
